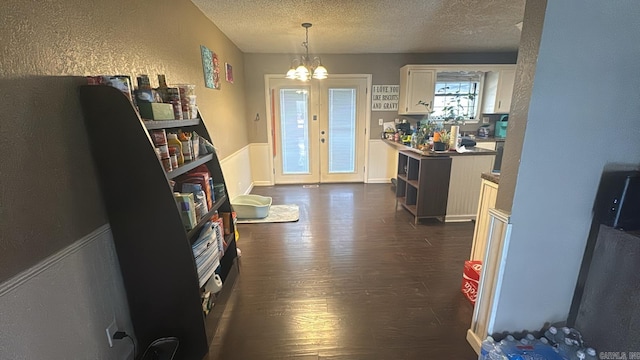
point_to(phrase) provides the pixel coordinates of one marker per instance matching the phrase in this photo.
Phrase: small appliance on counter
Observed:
(501, 127)
(483, 131)
(467, 142)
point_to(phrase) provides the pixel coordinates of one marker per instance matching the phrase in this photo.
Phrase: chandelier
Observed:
(304, 67)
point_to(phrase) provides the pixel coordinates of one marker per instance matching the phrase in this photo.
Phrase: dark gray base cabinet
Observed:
(423, 184)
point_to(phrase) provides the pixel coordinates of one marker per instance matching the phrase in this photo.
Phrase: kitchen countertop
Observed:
(474, 150)
(488, 139)
(494, 178)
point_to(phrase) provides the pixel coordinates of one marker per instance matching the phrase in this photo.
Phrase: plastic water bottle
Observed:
(414, 139)
(580, 355)
(507, 344)
(490, 350)
(497, 353)
(572, 334)
(561, 334)
(591, 354)
(551, 334)
(525, 341)
(568, 348)
(532, 339)
(565, 331)
(576, 337)
(488, 345)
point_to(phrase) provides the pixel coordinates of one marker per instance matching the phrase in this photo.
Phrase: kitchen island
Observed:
(463, 188)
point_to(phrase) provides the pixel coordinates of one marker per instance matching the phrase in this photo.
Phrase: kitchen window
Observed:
(457, 95)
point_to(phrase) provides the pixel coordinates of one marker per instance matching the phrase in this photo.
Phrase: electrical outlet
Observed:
(380, 121)
(111, 329)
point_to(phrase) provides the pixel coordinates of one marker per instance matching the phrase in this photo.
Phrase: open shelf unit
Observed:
(188, 166)
(167, 124)
(154, 249)
(423, 184)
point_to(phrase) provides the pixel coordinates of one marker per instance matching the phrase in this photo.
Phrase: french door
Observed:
(319, 129)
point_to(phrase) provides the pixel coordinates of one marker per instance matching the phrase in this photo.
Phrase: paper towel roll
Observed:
(453, 139)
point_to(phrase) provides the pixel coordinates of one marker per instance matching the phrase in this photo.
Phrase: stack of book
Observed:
(208, 250)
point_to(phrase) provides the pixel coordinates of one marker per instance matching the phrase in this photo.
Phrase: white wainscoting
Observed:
(383, 162)
(261, 164)
(490, 284)
(59, 308)
(381, 167)
(237, 172)
(464, 185)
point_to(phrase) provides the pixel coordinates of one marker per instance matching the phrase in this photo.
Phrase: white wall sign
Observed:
(385, 97)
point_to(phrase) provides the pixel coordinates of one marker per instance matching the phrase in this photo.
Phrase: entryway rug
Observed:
(277, 213)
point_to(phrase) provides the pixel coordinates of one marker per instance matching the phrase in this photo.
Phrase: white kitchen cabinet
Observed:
(498, 89)
(488, 194)
(489, 145)
(417, 84)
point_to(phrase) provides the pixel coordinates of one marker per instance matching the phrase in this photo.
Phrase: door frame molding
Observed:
(367, 116)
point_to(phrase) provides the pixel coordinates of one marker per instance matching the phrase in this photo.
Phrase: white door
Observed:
(342, 129)
(319, 129)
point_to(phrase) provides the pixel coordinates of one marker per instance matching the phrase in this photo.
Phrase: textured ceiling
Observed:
(368, 26)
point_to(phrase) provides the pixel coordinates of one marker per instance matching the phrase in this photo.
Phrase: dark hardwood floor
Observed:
(353, 279)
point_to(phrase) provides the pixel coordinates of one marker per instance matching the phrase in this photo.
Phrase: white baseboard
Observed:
(474, 341)
(379, 181)
(262, 183)
(459, 218)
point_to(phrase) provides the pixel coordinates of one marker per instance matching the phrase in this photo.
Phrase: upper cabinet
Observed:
(498, 89)
(456, 92)
(417, 86)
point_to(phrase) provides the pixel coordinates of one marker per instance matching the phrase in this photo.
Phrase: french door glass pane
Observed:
(342, 130)
(294, 131)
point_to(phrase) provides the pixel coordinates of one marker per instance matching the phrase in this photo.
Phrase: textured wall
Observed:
(577, 125)
(385, 70)
(518, 114)
(49, 195)
(60, 308)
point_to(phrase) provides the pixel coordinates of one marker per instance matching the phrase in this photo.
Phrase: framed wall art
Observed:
(228, 72)
(210, 67)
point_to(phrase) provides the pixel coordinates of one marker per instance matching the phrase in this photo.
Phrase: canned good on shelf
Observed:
(174, 161)
(166, 164)
(163, 151)
(186, 90)
(159, 138)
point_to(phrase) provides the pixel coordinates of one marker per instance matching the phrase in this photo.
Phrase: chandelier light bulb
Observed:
(291, 74)
(302, 70)
(320, 73)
